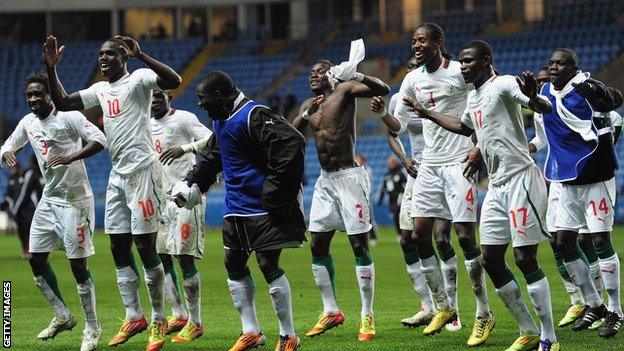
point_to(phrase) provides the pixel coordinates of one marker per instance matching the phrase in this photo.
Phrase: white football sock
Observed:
(420, 285)
(86, 294)
(610, 271)
(192, 295)
(58, 307)
(511, 296)
(279, 290)
(128, 284)
(324, 283)
(579, 271)
(243, 295)
(477, 279)
(366, 280)
(173, 297)
(539, 292)
(431, 271)
(155, 279)
(449, 275)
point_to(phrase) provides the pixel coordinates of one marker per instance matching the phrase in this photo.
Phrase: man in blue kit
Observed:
(261, 156)
(581, 157)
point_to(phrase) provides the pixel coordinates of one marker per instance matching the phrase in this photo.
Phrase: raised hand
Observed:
(9, 157)
(315, 104)
(377, 104)
(414, 106)
(51, 52)
(169, 155)
(585, 88)
(59, 160)
(528, 84)
(133, 46)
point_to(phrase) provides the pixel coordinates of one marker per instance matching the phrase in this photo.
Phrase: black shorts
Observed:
(257, 233)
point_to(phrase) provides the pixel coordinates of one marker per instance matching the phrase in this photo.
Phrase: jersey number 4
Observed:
(114, 108)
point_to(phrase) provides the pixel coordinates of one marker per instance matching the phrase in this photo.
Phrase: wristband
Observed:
(305, 115)
(383, 113)
(187, 148)
(358, 76)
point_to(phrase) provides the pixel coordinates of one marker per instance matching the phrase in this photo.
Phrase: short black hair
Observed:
(571, 53)
(482, 48)
(325, 62)
(120, 45)
(40, 78)
(218, 80)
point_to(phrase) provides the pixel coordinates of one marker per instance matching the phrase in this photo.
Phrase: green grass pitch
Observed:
(394, 299)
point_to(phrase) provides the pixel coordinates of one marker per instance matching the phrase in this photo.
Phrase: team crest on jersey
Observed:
(169, 131)
(448, 90)
(487, 100)
(54, 132)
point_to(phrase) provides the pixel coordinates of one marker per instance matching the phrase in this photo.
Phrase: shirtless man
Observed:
(341, 193)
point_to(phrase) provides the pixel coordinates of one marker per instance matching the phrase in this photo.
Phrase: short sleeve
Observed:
(89, 96)
(393, 102)
(85, 129)
(539, 141)
(616, 119)
(511, 87)
(146, 78)
(195, 128)
(16, 140)
(401, 111)
(465, 118)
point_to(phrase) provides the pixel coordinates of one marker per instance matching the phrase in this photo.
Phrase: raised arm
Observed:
(528, 87)
(52, 56)
(451, 124)
(307, 109)
(601, 97)
(363, 86)
(167, 77)
(377, 105)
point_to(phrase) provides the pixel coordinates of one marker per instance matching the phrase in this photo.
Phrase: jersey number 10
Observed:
(114, 108)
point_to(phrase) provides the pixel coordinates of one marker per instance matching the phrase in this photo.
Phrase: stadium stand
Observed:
(253, 71)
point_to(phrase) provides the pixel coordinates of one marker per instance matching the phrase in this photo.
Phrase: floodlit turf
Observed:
(394, 299)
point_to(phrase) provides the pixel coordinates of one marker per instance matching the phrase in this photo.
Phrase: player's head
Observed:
(213, 93)
(562, 66)
(543, 76)
(38, 95)
(317, 78)
(112, 58)
(412, 64)
(476, 59)
(428, 43)
(392, 163)
(161, 102)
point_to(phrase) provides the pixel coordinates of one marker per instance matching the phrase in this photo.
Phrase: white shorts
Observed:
(515, 211)
(66, 227)
(182, 232)
(405, 219)
(444, 192)
(135, 203)
(341, 202)
(587, 208)
(554, 191)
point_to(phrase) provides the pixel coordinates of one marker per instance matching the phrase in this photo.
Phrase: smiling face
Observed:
(561, 68)
(38, 99)
(317, 78)
(423, 47)
(111, 60)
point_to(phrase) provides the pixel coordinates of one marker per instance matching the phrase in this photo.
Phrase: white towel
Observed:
(346, 70)
(582, 127)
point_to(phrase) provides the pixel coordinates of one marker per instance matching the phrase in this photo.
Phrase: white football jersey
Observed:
(443, 91)
(175, 129)
(414, 129)
(61, 133)
(494, 112)
(126, 107)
